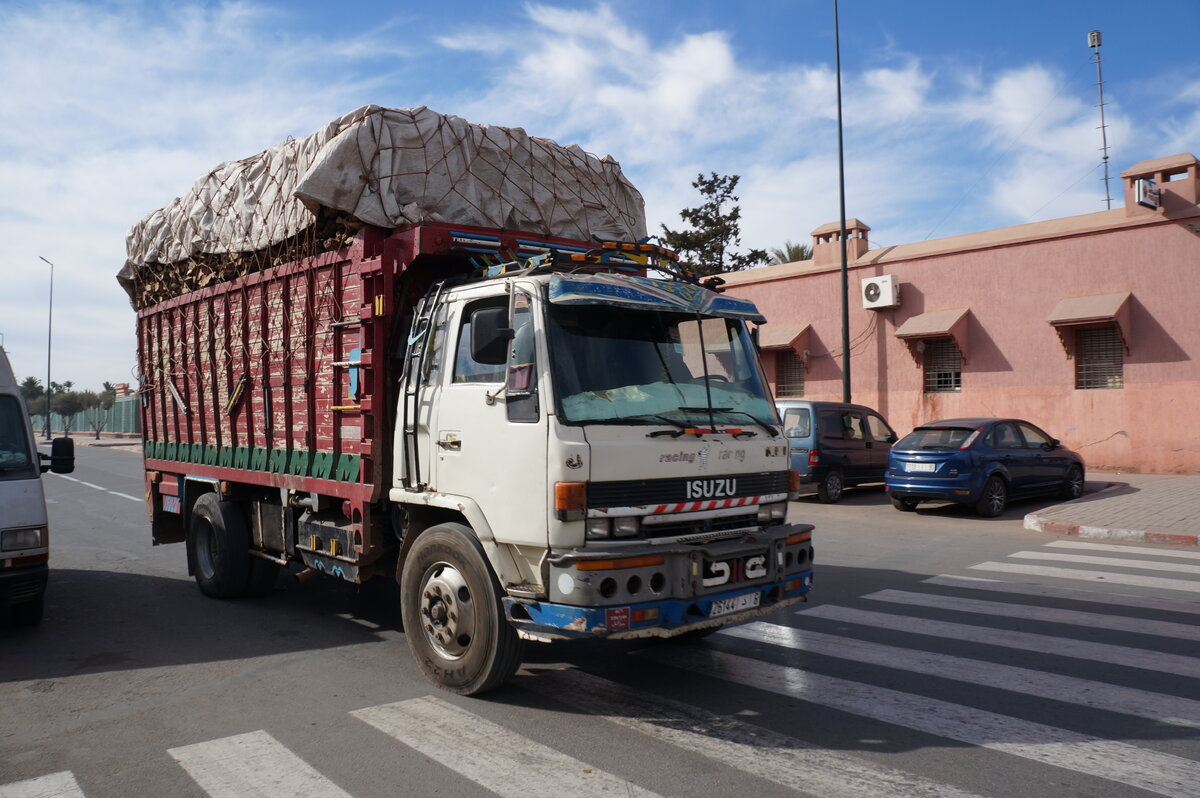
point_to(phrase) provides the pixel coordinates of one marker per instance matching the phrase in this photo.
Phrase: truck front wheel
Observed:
(220, 547)
(450, 602)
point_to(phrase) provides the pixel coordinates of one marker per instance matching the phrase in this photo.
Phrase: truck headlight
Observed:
(626, 527)
(772, 513)
(599, 528)
(17, 539)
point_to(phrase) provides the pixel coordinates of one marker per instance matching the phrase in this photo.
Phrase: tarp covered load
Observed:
(387, 167)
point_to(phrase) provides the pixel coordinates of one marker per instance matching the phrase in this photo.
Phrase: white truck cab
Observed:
(24, 533)
(608, 443)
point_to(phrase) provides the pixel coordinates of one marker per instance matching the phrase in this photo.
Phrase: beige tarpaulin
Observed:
(390, 167)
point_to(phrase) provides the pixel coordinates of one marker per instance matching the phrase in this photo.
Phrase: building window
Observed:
(1099, 357)
(943, 366)
(789, 374)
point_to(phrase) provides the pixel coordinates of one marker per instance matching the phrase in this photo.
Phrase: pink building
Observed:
(1088, 326)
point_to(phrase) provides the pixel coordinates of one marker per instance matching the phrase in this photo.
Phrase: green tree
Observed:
(97, 410)
(67, 404)
(790, 253)
(708, 247)
(31, 391)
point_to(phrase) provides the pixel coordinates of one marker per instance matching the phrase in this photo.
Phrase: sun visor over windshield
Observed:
(641, 293)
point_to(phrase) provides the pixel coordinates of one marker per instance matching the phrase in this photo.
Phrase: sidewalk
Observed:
(116, 440)
(1135, 508)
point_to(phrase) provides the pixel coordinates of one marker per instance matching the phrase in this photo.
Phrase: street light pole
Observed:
(837, 49)
(49, 332)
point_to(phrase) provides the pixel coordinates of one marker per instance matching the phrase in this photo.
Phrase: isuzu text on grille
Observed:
(711, 488)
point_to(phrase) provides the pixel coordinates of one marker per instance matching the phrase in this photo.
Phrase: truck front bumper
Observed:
(546, 621)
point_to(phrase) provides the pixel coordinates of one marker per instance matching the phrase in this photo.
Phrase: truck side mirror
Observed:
(62, 456)
(490, 335)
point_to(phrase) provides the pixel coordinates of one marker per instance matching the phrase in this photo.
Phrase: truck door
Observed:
(490, 444)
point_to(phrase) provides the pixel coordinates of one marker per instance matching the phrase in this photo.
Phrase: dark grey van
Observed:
(836, 445)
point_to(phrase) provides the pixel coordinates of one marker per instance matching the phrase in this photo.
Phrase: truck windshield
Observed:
(648, 367)
(15, 457)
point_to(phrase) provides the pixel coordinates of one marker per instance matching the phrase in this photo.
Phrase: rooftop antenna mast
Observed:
(1094, 43)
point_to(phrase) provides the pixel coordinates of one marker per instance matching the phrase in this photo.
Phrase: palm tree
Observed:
(790, 253)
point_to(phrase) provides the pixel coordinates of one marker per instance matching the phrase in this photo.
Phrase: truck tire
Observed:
(220, 547)
(27, 613)
(450, 603)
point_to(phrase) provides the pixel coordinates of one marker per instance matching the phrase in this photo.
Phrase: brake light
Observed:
(971, 438)
(813, 456)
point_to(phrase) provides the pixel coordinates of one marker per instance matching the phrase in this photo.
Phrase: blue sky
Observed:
(959, 116)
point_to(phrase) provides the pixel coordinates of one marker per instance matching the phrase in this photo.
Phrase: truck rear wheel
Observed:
(450, 601)
(220, 547)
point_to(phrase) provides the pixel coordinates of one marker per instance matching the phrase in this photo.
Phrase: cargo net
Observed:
(376, 166)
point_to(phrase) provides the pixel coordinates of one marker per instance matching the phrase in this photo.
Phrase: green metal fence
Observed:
(124, 416)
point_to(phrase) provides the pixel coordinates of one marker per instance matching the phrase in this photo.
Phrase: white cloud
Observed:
(110, 113)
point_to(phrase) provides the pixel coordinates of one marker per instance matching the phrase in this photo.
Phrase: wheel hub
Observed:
(447, 612)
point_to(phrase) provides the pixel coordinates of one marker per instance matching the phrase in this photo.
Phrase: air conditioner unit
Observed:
(880, 292)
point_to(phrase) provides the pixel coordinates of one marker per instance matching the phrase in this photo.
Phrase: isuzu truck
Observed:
(489, 387)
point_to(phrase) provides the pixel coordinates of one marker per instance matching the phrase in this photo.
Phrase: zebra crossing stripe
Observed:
(1025, 641)
(1143, 768)
(1056, 687)
(1119, 562)
(775, 757)
(1107, 577)
(1092, 620)
(1068, 593)
(470, 746)
(53, 785)
(253, 765)
(1126, 549)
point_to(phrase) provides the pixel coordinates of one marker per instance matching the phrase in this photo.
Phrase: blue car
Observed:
(980, 462)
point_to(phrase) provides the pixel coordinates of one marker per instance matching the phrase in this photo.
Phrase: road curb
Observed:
(1036, 523)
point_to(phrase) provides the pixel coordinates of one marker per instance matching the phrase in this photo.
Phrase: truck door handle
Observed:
(453, 445)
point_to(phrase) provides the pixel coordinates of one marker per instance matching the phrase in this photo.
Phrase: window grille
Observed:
(943, 366)
(1099, 357)
(789, 374)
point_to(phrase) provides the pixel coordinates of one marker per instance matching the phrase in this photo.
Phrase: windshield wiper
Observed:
(658, 433)
(771, 431)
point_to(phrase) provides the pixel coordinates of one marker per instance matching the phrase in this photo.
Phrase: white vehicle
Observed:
(24, 533)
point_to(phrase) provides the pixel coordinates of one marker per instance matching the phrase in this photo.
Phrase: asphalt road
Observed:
(905, 675)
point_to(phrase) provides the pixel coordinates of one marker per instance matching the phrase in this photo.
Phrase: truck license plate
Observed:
(924, 468)
(734, 603)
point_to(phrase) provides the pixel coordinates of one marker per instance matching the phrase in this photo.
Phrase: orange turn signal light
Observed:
(799, 537)
(570, 495)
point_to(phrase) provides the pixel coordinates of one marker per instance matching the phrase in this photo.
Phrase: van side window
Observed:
(852, 426)
(797, 423)
(880, 431)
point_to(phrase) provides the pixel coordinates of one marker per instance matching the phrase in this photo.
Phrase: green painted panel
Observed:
(210, 455)
(298, 463)
(148, 448)
(322, 465)
(197, 453)
(258, 459)
(225, 457)
(241, 457)
(172, 449)
(347, 468)
(278, 461)
(160, 450)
